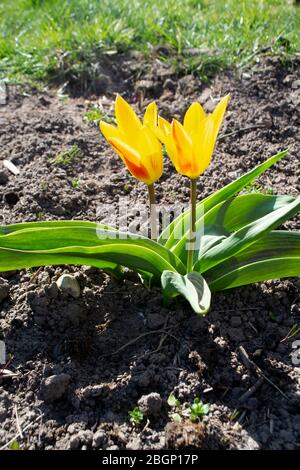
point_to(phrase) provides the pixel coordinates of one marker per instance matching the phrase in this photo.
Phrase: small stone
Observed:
(69, 284)
(150, 404)
(134, 444)
(258, 352)
(99, 439)
(145, 85)
(4, 289)
(3, 177)
(54, 387)
(296, 84)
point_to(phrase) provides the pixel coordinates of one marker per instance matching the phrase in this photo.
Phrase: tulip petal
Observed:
(162, 130)
(150, 116)
(164, 126)
(218, 114)
(132, 160)
(124, 150)
(204, 143)
(182, 141)
(139, 172)
(108, 130)
(193, 117)
(127, 119)
(151, 152)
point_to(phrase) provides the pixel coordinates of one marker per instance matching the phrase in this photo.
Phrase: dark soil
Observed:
(116, 342)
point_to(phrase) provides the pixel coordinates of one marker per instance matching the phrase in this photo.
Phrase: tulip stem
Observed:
(192, 234)
(153, 224)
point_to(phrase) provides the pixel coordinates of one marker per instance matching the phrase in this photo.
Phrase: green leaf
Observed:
(15, 445)
(172, 401)
(176, 417)
(87, 244)
(229, 216)
(192, 286)
(274, 256)
(167, 237)
(6, 229)
(244, 237)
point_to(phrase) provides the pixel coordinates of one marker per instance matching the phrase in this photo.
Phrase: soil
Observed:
(83, 363)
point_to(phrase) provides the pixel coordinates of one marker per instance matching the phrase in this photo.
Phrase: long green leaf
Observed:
(89, 242)
(231, 215)
(168, 238)
(275, 268)
(274, 256)
(6, 229)
(15, 259)
(244, 237)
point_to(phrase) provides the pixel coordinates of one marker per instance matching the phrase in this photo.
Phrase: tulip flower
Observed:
(190, 147)
(137, 145)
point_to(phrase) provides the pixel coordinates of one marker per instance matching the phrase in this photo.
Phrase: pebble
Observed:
(67, 283)
(4, 289)
(150, 404)
(54, 387)
(295, 84)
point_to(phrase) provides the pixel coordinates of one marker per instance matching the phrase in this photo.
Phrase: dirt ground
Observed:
(101, 353)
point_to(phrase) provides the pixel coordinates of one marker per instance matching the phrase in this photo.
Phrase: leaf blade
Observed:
(275, 256)
(192, 286)
(167, 236)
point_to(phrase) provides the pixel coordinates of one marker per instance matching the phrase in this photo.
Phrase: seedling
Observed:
(294, 331)
(198, 409)
(15, 445)
(94, 115)
(136, 416)
(67, 156)
(75, 184)
(234, 415)
(175, 404)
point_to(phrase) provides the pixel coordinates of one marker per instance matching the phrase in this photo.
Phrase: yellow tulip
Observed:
(190, 146)
(135, 142)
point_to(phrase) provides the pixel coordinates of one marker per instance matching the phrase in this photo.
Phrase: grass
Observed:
(59, 39)
(66, 156)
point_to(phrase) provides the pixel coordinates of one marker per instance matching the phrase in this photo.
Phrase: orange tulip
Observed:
(135, 142)
(190, 146)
